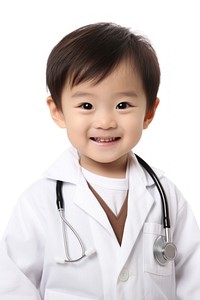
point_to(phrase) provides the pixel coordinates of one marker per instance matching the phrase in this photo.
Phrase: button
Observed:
(124, 275)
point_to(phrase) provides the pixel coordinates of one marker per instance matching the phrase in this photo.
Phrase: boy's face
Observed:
(104, 121)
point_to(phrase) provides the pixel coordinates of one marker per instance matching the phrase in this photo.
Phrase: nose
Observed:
(105, 120)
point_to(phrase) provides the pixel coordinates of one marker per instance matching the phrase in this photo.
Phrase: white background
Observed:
(30, 141)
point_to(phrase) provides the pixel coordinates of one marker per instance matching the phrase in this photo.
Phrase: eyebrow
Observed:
(119, 94)
(127, 93)
(81, 94)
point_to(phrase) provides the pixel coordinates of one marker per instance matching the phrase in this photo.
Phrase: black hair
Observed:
(93, 51)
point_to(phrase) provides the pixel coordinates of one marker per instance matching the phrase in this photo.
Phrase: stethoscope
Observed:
(164, 249)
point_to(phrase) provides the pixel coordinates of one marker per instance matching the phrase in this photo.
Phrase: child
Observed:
(107, 240)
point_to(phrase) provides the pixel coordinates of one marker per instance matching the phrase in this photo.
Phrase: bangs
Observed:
(91, 72)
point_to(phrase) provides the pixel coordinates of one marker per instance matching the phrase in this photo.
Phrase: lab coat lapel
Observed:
(67, 169)
(85, 199)
(140, 203)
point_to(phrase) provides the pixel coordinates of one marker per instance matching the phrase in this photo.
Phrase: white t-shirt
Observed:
(113, 191)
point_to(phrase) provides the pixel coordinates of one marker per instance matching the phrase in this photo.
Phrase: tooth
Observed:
(104, 140)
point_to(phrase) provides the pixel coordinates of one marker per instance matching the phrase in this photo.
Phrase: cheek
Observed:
(76, 128)
(134, 129)
(134, 124)
(73, 122)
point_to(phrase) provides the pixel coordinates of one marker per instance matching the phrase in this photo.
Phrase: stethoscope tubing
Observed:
(60, 205)
(163, 197)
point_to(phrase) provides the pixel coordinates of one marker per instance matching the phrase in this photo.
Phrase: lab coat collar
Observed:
(67, 169)
(143, 174)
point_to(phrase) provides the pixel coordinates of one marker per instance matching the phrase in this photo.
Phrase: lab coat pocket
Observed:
(57, 295)
(150, 234)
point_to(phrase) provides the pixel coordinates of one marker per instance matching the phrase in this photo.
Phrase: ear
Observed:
(150, 114)
(56, 113)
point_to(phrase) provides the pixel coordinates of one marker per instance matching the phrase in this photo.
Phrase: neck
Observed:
(116, 169)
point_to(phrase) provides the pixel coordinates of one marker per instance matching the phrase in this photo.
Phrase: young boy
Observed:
(107, 241)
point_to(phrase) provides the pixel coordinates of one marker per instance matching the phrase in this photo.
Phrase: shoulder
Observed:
(173, 192)
(37, 199)
(65, 168)
(39, 188)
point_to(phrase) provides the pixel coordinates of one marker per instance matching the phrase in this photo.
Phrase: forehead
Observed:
(124, 77)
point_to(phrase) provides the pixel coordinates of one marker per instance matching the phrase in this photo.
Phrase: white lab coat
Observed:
(28, 270)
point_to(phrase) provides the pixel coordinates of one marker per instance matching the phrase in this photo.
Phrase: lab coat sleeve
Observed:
(21, 254)
(187, 239)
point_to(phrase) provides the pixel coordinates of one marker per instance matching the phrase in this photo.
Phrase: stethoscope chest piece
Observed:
(164, 252)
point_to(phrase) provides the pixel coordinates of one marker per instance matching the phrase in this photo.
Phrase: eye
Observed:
(123, 105)
(86, 105)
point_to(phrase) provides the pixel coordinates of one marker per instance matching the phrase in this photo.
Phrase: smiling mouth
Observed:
(104, 140)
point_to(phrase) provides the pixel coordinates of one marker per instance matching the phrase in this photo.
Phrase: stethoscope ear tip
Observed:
(90, 252)
(60, 260)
